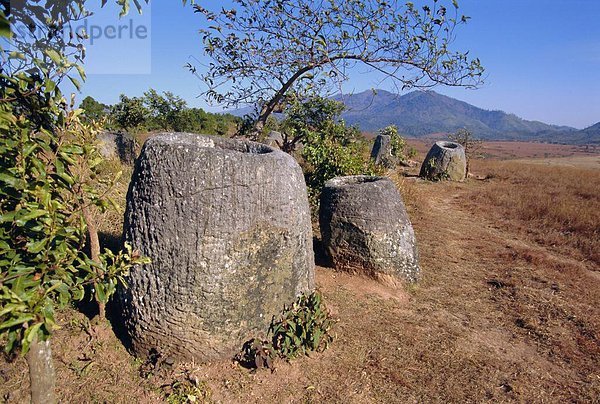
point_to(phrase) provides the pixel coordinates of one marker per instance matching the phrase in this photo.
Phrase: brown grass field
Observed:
(507, 309)
(516, 150)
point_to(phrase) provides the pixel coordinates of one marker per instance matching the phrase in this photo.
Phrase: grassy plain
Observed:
(507, 309)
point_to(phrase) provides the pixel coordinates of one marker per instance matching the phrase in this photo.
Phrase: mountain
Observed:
(589, 135)
(420, 113)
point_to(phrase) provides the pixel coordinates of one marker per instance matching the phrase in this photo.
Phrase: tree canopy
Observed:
(263, 51)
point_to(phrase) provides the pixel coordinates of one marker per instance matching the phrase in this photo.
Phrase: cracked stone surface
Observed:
(227, 226)
(445, 160)
(366, 229)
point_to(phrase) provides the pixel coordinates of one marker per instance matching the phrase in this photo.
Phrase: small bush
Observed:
(302, 328)
(187, 392)
(257, 354)
(331, 154)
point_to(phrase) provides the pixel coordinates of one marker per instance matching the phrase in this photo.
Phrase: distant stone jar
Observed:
(381, 153)
(227, 226)
(118, 145)
(365, 228)
(445, 161)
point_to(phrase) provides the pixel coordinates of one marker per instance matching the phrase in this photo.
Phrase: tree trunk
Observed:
(94, 250)
(270, 106)
(41, 372)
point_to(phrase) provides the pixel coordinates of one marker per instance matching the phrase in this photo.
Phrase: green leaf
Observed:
(17, 55)
(81, 72)
(31, 332)
(9, 179)
(54, 56)
(12, 338)
(100, 293)
(4, 26)
(50, 86)
(75, 82)
(35, 247)
(16, 321)
(21, 219)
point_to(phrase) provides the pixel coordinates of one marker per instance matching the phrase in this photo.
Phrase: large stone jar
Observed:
(227, 226)
(365, 228)
(445, 161)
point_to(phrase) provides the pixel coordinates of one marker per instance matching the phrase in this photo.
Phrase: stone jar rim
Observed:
(445, 144)
(201, 141)
(353, 180)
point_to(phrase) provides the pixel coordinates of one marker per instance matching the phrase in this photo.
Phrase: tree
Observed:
(93, 109)
(129, 113)
(43, 192)
(305, 117)
(469, 142)
(265, 51)
(164, 109)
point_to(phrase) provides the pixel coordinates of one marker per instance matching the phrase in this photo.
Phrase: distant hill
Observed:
(420, 113)
(589, 135)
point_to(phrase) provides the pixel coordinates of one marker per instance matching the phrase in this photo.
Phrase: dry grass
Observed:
(558, 206)
(411, 192)
(513, 150)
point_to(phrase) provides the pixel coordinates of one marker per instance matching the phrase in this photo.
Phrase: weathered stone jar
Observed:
(116, 145)
(445, 161)
(227, 226)
(365, 228)
(381, 153)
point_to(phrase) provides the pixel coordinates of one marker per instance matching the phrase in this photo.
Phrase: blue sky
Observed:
(542, 58)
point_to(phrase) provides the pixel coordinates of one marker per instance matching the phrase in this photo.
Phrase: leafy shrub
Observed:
(330, 148)
(93, 109)
(301, 328)
(327, 156)
(48, 181)
(187, 392)
(47, 177)
(257, 354)
(130, 113)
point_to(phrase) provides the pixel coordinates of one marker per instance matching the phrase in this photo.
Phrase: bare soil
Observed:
(497, 316)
